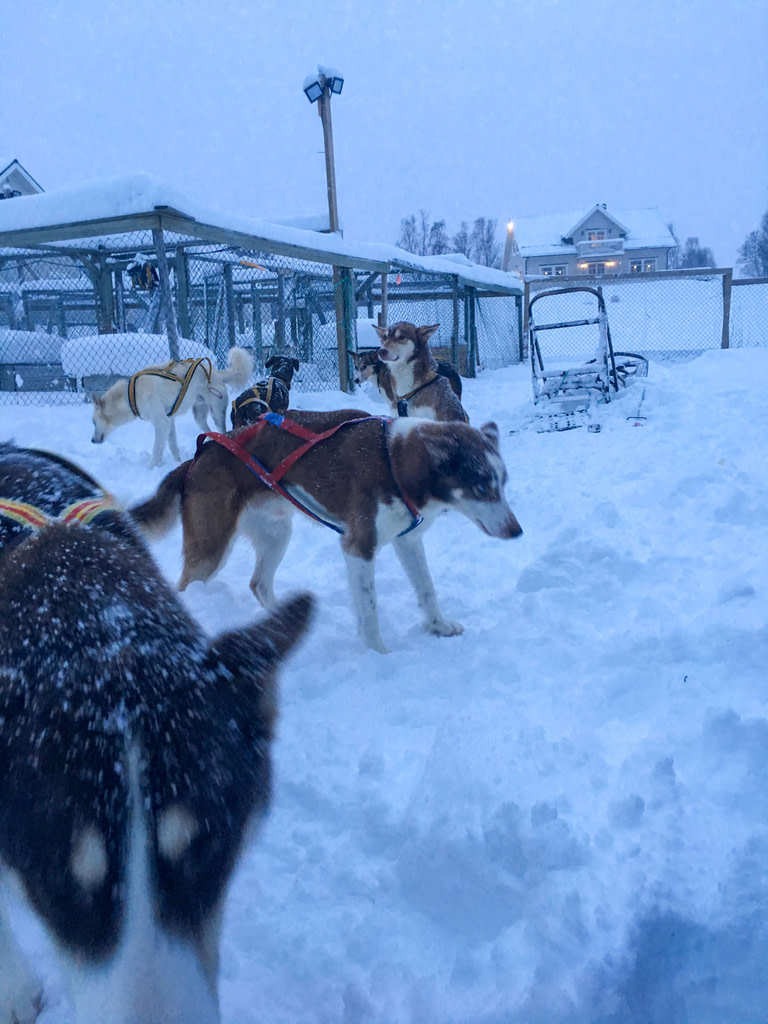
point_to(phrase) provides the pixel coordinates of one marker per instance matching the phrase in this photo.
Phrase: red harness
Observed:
(272, 478)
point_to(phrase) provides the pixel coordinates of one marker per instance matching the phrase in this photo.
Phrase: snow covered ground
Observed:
(560, 817)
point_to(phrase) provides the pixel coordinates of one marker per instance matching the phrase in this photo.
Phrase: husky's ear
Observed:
(252, 655)
(97, 399)
(425, 333)
(270, 362)
(491, 431)
(295, 364)
(381, 331)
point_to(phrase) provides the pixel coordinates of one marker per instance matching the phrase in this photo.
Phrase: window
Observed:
(554, 271)
(595, 236)
(643, 266)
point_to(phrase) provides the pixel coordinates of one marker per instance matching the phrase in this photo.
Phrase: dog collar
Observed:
(402, 400)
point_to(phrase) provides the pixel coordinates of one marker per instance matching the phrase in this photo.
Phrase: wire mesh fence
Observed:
(76, 317)
(749, 313)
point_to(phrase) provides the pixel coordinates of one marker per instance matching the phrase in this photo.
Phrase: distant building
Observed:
(590, 244)
(15, 181)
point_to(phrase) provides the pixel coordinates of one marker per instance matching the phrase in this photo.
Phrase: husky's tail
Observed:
(159, 513)
(239, 369)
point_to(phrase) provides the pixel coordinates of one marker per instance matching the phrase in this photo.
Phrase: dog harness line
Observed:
(272, 478)
(253, 400)
(78, 512)
(402, 400)
(168, 374)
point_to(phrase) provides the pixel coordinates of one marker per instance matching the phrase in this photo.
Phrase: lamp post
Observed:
(318, 89)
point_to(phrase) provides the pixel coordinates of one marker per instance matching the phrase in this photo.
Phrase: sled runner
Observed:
(566, 391)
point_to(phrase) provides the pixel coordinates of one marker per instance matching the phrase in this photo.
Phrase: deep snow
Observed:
(559, 816)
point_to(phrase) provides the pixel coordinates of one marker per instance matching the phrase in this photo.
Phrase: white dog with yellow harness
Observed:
(159, 393)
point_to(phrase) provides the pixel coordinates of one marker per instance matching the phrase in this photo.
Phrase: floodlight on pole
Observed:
(318, 88)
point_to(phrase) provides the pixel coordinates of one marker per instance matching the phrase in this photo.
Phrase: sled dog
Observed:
(419, 387)
(159, 393)
(372, 479)
(134, 754)
(270, 395)
(368, 366)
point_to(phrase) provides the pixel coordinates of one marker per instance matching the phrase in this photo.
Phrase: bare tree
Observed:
(438, 238)
(695, 255)
(674, 255)
(408, 239)
(753, 254)
(461, 242)
(484, 247)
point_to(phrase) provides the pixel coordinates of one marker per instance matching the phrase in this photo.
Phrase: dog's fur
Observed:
(368, 366)
(155, 398)
(419, 388)
(354, 479)
(270, 395)
(134, 758)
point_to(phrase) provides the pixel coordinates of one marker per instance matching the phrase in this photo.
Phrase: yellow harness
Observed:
(167, 373)
(78, 512)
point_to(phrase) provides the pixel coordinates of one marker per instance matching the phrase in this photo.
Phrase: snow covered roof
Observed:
(142, 201)
(13, 167)
(542, 236)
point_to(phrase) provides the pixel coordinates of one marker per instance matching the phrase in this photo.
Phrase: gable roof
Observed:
(543, 236)
(6, 169)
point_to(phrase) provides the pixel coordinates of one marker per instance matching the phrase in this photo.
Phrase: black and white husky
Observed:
(134, 754)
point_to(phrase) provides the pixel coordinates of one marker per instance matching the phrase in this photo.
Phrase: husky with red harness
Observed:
(134, 754)
(372, 479)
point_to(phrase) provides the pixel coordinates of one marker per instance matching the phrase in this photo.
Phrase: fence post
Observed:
(472, 333)
(456, 327)
(520, 336)
(727, 285)
(165, 292)
(384, 301)
(344, 304)
(526, 314)
(182, 293)
(229, 293)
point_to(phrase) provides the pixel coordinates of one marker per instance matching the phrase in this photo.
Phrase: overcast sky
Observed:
(496, 108)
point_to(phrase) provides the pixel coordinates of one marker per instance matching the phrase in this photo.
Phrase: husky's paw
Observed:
(441, 627)
(21, 1003)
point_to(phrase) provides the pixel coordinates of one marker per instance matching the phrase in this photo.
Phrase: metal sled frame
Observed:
(567, 393)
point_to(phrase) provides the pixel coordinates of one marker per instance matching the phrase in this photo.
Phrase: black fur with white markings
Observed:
(101, 667)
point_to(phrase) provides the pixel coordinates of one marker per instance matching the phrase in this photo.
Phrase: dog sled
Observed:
(567, 391)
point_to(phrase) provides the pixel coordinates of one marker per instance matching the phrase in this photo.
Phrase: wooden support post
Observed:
(165, 292)
(182, 294)
(456, 326)
(727, 285)
(280, 322)
(229, 294)
(384, 300)
(258, 340)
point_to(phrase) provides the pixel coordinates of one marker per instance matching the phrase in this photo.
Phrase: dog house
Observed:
(98, 281)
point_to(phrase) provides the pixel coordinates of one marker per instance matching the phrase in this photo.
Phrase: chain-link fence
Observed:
(668, 316)
(749, 313)
(76, 317)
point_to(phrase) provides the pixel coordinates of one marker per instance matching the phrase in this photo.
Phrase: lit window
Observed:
(636, 267)
(560, 270)
(595, 236)
(546, 271)
(649, 266)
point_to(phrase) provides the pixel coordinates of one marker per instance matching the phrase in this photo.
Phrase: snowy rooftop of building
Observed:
(541, 236)
(141, 201)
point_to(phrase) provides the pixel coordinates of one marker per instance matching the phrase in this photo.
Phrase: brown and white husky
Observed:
(419, 389)
(159, 393)
(374, 480)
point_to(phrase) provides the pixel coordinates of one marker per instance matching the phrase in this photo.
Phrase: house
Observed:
(15, 181)
(589, 244)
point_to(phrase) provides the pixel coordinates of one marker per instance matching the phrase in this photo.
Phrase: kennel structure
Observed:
(97, 282)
